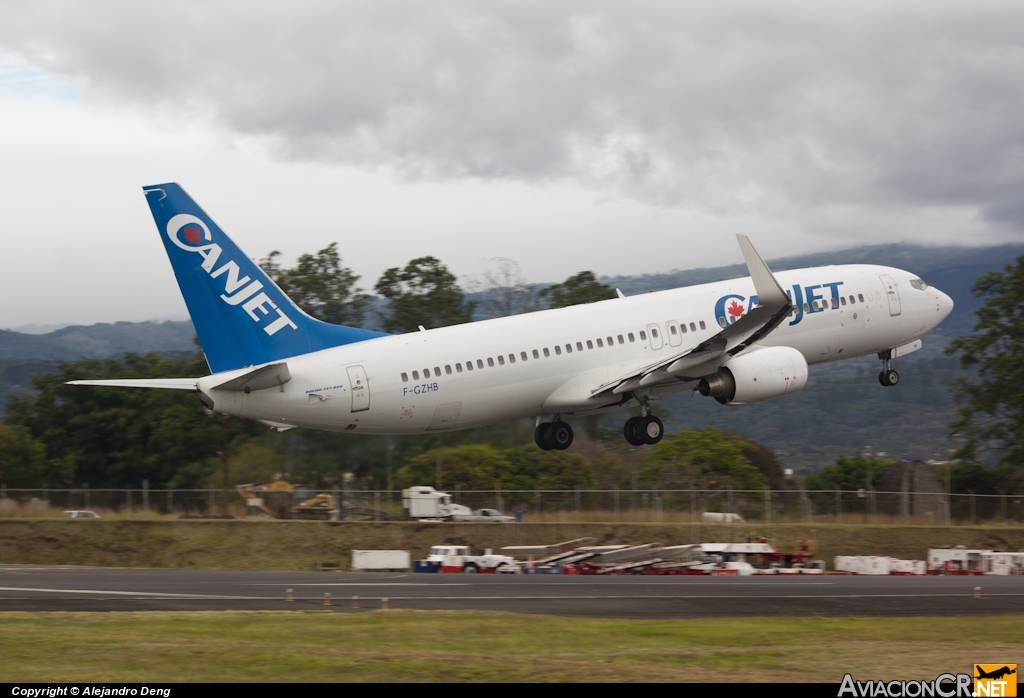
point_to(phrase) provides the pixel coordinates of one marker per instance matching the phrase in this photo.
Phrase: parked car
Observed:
(81, 514)
(492, 515)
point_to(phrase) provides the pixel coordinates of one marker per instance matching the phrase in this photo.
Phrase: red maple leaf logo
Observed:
(735, 309)
(193, 234)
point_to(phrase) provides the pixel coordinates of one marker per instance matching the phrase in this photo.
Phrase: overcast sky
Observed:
(618, 137)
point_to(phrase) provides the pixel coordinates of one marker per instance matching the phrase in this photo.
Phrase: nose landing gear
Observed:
(556, 435)
(887, 377)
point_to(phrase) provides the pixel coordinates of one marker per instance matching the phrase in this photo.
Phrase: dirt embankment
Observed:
(299, 545)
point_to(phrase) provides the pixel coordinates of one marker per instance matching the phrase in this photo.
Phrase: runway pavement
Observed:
(31, 588)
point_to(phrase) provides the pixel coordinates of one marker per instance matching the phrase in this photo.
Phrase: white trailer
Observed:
(1002, 564)
(954, 560)
(397, 560)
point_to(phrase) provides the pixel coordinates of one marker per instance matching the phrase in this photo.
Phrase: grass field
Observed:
(479, 646)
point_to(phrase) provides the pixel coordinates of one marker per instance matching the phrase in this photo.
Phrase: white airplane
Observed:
(738, 341)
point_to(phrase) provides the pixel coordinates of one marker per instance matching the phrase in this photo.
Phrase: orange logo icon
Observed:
(995, 680)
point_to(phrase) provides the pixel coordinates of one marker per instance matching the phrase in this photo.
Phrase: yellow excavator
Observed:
(282, 500)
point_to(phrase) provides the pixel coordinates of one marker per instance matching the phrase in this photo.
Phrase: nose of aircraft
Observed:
(945, 304)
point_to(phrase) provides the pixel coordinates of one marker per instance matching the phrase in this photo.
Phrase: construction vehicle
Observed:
(282, 500)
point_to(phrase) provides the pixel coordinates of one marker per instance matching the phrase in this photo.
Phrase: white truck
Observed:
(456, 559)
(427, 504)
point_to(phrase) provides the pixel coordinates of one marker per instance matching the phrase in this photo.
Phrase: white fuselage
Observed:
(421, 381)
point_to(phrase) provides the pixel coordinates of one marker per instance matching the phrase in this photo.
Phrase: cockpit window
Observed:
(919, 284)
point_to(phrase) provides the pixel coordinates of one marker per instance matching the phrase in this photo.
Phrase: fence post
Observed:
(768, 506)
(973, 519)
(128, 498)
(577, 489)
(615, 494)
(376, 505)
(210, 492)
(85, 486)
(46, 498)
(145, 496)
(1003, 501)
(839, 506)
(536, 503)
(170, 501)
(693, 517)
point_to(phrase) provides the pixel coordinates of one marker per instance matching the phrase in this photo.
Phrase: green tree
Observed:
(580, 288)
(23, 460)
(849, 473)
(321, 286)
(483, 467)
(701, 458)
(466, 467)
(110, 437)
(423, 293)
(991, 409)
(533, 468)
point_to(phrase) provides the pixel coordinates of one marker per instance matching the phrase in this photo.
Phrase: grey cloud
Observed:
(730, 107)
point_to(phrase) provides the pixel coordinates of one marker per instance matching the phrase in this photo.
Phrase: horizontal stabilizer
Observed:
(269, 376)
(164, 383)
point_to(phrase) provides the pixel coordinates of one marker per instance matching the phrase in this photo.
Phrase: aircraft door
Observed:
(893, 294)
(360, 387)
(674, 337)
(656, 340)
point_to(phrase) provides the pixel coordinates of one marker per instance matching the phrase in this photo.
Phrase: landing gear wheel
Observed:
(540, 435)
(560, 436)
(888, 377)
(629, 431)
(651, 429)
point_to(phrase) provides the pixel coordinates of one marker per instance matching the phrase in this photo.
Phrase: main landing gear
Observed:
(888, 376)
(556, 435)
(645, 429)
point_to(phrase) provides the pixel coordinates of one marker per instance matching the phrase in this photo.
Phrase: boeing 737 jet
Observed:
(738, 341)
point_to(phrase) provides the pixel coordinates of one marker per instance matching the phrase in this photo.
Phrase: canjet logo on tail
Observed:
(192, 235)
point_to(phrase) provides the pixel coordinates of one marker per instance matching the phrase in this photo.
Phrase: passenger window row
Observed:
(824, 304)
(600, 342)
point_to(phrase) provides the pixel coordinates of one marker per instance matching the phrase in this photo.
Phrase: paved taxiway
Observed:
(32, 588)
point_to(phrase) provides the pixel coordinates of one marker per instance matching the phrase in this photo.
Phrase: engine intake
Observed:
(758, 375)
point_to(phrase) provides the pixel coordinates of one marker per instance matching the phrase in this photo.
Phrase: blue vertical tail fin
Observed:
(241, 316)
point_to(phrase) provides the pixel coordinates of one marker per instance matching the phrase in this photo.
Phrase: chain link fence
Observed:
(646, 505)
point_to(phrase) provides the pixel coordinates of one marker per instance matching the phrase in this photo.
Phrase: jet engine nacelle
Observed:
(758, 375)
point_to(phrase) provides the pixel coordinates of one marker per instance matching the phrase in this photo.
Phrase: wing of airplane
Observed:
(165, 383)
(773, 305)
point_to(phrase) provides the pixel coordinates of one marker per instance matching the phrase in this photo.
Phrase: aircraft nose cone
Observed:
(945, 304)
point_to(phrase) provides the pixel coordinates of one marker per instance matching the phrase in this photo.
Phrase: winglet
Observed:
(769, 292)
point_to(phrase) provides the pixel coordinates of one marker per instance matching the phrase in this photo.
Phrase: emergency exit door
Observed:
(359, 387)
(892, 293)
